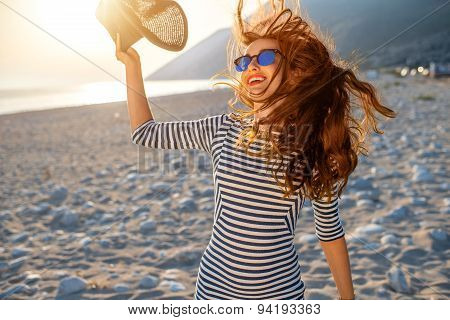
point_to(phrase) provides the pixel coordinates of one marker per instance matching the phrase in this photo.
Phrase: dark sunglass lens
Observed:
(242, 64)
(266, 57)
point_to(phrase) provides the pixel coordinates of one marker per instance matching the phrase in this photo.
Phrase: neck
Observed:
(263, 113)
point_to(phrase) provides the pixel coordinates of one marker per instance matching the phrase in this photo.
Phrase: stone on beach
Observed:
(149, 282)
(71, 284)
(398, 281)
(147, 226)
(57, 195)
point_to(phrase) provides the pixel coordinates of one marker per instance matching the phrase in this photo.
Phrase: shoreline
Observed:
(168, 96)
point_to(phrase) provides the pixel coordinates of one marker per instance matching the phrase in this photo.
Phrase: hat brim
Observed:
(165, 16)
(116, 17)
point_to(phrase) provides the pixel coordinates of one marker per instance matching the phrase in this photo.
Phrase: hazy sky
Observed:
(30, 56)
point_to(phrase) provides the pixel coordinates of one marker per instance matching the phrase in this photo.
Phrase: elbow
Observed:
(134, 138)
(330, 235)
(331, 239)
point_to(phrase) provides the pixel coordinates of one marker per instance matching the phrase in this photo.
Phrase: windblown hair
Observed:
(319, 134)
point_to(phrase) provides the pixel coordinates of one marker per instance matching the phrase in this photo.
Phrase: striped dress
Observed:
(251, 254)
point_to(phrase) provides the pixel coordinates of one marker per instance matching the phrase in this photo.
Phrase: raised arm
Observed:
(138, 107)
(327, 221)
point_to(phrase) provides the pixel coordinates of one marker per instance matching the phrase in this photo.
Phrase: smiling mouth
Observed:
(254, 83)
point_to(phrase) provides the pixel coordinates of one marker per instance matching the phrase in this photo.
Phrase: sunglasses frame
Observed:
(257, 57)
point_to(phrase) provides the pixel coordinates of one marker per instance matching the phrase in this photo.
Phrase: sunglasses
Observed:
(264, 58)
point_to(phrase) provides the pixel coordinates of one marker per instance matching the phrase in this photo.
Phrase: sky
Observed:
(43, 42)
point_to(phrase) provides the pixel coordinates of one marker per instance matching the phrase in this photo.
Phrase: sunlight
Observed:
(71, 21)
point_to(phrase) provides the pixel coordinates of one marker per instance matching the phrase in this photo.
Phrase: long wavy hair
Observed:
(321, 134)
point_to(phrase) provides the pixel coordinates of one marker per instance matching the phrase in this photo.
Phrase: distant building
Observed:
(439, 70)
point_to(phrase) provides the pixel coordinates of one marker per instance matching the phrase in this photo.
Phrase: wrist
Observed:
(133, 66)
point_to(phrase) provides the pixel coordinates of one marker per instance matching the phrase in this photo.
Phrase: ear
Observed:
(296, 73)
(294, 76)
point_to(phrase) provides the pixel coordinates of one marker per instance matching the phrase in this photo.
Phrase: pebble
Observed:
(86, 180)
(71, 284)
(398, 281)
(5, 215)
(308, 238)
(361, 184)
(4, 266)
(162, 188)
(186, 258)
(132, 176)
(346, 202)
(389, 239)
(69, 219)
(65, 217)
(105, 243)
(209, 192)
(107, 218)
(26, 212)
(149, 282)
(102, 173)
(32, 278)
(85, 241)
(369, 229)
(419, 201)
(141, 211)
(17, 263)
(439, 234)
(408, 241)
(57, 195)
(42, 208)
(18, 238)
(104, 199)
(365, 203)
(187, 204)
(147, 226)
(121, 287)
(174, 286)
(88, 205)
(421, 174)
(373, 194)
(20, 252)
(398, 214)
(383, 294)
(20, 288)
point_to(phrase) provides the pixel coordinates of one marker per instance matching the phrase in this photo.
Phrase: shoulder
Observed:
(227, 118)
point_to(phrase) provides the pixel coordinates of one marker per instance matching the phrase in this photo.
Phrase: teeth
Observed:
(256, 78)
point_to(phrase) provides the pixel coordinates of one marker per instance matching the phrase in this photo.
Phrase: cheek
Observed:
(276, 78)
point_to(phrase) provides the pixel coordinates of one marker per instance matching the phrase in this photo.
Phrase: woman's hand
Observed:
(130, 58)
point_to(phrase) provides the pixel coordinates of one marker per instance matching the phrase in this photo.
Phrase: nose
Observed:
(253, 65)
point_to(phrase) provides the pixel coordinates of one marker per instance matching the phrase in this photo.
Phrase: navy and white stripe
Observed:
(251, 254)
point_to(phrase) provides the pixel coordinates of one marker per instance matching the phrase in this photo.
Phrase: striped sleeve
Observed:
(327, 221)
(189, 134)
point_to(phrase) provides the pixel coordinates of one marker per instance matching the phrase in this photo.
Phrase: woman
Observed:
(300, 126)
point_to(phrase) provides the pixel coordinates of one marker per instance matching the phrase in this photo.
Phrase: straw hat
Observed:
(162, 22)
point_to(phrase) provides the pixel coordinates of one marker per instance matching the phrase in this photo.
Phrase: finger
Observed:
(118, 42)
(131, 52)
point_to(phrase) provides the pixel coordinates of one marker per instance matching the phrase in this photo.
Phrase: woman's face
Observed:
(266, 71)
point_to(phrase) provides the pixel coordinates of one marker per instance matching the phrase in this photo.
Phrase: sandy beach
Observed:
(79, 221)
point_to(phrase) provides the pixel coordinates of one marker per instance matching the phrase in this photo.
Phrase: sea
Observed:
(16, 100)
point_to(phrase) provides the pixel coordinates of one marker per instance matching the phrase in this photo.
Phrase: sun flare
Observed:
(73, 21)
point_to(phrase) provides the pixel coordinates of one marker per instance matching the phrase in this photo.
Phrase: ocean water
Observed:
(20, 100)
